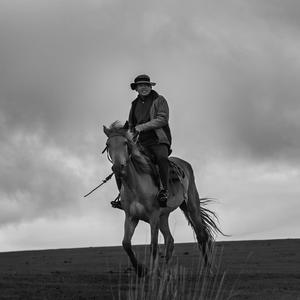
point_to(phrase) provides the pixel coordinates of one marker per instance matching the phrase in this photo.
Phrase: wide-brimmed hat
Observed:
(141, 79)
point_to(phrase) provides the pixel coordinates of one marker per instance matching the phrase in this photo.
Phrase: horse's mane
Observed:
(117, 128)
(141, 162)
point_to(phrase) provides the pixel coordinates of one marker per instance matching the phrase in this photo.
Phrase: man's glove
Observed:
(136, 134)
(137, 128)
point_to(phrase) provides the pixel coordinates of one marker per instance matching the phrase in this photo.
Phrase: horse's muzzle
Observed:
(119, 169)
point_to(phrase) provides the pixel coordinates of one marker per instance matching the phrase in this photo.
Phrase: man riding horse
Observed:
(149, 120)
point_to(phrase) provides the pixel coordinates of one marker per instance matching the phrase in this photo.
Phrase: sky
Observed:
(230, 72)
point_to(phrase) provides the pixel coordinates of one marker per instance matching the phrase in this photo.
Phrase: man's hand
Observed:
(136, 134)
(137, 128)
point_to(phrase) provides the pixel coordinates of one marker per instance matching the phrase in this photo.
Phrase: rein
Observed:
(109, 158)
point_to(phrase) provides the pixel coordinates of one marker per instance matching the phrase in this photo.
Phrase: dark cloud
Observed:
(229, 71)
(37, 179)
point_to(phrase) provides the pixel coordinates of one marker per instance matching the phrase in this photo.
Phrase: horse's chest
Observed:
(137, 209)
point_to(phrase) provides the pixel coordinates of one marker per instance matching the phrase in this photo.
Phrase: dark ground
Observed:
(268, 269)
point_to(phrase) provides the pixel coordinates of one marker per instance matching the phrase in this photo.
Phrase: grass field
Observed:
(267, 269)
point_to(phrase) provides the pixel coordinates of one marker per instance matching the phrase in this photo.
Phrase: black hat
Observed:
(141, 79)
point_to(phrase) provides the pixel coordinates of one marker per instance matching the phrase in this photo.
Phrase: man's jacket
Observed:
(159, 119)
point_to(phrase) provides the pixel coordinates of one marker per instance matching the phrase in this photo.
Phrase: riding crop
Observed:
(103, 181)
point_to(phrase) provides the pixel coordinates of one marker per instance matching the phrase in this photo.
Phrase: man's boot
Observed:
(163, 197)
(116, 203)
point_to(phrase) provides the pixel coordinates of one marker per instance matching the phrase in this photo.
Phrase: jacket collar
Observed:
(153, 95)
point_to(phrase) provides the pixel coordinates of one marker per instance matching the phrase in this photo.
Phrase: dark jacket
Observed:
(159, 119)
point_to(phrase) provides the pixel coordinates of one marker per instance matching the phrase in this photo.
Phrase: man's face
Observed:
(143, 89)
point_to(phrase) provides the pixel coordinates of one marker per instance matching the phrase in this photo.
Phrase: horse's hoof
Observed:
(141, 270)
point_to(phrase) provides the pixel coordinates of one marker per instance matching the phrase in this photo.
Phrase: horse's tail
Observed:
(209, 219)
(202, 220)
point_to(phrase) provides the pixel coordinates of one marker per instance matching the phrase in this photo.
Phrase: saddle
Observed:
(176, 173)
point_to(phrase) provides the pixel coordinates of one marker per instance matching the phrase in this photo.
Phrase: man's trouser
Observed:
(160, 153)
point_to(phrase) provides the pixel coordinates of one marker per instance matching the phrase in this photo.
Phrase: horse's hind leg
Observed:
(129, 227)
(169, 241)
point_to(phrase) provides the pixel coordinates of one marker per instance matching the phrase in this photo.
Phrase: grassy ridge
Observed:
(268, 269)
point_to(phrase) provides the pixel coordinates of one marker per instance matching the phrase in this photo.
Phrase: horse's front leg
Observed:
(154, 224)
(129, 227)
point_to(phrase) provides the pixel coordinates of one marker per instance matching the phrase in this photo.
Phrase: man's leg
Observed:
(161, 152)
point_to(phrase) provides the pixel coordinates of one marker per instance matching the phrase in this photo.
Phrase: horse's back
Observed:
(179, 188)
(189, 178)
(183, 164)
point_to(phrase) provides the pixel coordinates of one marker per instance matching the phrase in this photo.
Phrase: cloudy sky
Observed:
(230, 71)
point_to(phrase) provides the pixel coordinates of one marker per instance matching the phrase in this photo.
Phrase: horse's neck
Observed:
(136, 152)
(138, 176)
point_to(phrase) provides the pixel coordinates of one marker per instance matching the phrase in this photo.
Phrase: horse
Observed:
(139, 197)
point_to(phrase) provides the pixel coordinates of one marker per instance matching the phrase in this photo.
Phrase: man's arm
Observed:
(161, 119)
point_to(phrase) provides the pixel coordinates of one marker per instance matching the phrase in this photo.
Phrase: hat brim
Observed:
(134, 84)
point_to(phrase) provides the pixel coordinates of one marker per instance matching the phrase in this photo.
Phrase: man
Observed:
(149, 117)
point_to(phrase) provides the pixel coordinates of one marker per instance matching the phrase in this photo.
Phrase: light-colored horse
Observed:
(139, 197)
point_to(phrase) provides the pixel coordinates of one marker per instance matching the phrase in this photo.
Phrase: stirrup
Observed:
(116, 203)
(163, 197)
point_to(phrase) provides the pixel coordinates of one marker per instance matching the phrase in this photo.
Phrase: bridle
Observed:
(109, 158)
(107, 154)
(129, 148)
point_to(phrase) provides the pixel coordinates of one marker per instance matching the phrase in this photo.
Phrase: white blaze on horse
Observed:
(139, 197)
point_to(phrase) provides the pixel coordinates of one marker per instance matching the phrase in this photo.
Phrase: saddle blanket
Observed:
(175, 173)
(178, 183)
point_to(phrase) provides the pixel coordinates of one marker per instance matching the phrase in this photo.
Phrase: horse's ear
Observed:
(126, 125)
(106, 130)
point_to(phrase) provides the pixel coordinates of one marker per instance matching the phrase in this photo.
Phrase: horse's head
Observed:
(119, 147)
